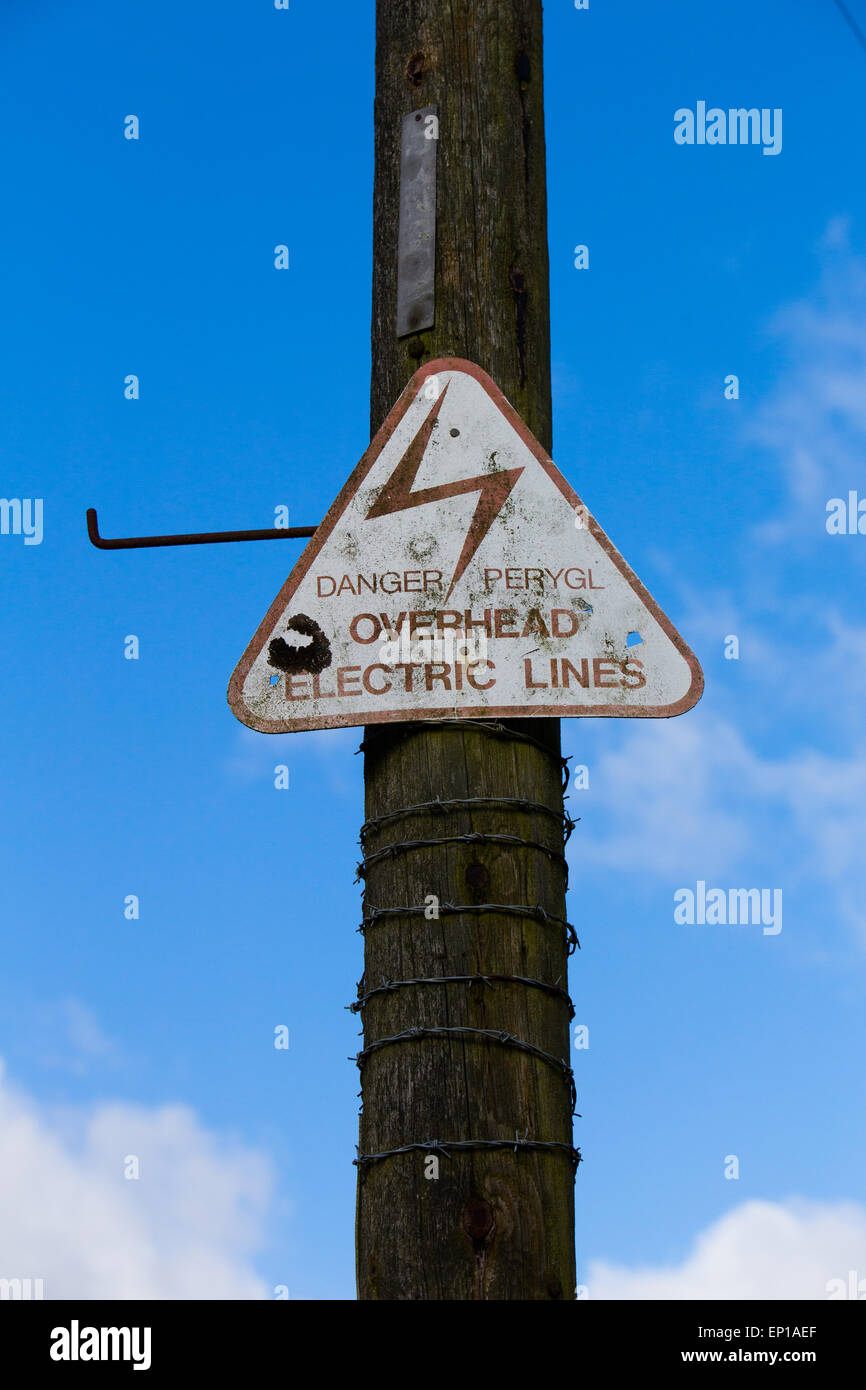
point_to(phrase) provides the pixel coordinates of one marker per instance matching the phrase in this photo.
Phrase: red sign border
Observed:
(265, 629)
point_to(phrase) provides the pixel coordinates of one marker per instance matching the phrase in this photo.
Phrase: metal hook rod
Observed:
(286, 533)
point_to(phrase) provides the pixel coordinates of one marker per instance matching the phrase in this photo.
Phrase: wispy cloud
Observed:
(768, 775)
(814, 421)
(63, 1034)
(253, 757)
(690, 798)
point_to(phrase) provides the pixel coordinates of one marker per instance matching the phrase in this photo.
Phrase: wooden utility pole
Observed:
(496, 1223)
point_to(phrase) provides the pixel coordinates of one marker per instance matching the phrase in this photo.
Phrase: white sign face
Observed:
(458, 574)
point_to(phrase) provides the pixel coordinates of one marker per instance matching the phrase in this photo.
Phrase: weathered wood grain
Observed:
(496, 1225)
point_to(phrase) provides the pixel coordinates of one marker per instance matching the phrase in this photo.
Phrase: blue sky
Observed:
(155, 257)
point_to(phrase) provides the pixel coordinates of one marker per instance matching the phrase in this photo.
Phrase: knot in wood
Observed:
(479, 1221)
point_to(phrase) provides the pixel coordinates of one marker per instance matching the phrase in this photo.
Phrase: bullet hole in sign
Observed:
(310, 658)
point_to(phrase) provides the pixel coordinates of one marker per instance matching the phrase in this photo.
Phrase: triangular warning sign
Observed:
(457, 573)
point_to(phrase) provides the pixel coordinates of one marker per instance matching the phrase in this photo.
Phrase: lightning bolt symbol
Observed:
(397, 494)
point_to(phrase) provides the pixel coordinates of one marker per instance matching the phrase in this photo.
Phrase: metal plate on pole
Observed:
(458, 574)
(417, 235)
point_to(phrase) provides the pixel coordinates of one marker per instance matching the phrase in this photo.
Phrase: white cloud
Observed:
(188, 1227)
(760, 1250)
